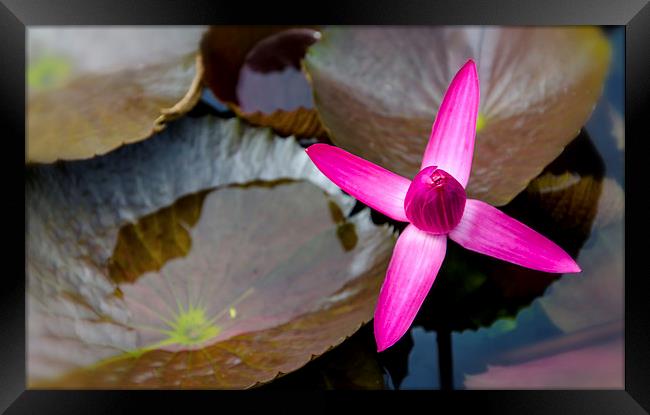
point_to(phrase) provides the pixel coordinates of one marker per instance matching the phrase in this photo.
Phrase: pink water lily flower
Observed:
(436, 206)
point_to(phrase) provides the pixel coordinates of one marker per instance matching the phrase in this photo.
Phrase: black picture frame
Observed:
(17, 15)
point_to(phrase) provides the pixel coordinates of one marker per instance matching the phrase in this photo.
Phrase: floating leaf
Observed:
(352, 365)
(598, 366)
(377, 91)
(91, 90)
(208, 256)
(256, 71)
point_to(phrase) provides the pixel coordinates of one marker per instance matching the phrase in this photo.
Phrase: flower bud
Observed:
(435, 201)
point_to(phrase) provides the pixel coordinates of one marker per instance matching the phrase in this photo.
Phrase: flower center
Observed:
(435, 201)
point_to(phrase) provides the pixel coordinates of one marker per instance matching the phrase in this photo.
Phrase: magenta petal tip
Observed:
(316, 147)
(470, 62)
(574, 268)
(416, 259)
(485, 229)
(381, 345)
(568, 266)
(451, 144)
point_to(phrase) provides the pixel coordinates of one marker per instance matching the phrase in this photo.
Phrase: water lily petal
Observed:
(487, 230)
(451, 144)
(375, 186)
(413, 268)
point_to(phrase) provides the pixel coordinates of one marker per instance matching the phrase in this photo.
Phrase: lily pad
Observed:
(210, 256)
(352, 365)
(377, 91)
(256, 71)
(91, 90)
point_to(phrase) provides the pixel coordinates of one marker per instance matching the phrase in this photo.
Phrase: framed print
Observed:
(428, 200)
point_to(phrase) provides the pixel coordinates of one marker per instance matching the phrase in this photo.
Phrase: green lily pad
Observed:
(210, 256)
(91, 90)
(377, 91)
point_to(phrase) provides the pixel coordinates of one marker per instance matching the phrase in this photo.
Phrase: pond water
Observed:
(569, 336)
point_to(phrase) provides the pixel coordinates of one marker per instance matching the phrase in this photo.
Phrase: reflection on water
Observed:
(516, 328)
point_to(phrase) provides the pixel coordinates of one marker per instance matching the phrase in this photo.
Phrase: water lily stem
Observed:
(445, 359)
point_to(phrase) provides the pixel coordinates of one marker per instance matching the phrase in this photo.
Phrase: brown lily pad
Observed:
(352, 365)
(92, 90)
(256, 72)
(210, 256)
(377, 91)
